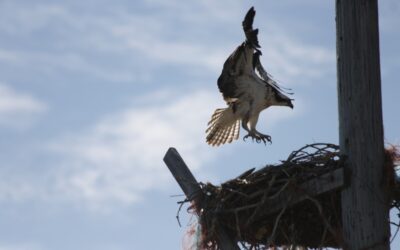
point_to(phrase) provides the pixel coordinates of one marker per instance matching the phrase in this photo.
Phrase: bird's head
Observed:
(283, 100)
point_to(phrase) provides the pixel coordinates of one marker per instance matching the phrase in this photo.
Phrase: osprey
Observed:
(247, 89)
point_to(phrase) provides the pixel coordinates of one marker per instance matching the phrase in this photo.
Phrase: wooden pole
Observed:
(365, 206)
(193, 192)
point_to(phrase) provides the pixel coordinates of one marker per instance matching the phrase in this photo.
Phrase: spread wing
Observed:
(240, 62)
(245, 60)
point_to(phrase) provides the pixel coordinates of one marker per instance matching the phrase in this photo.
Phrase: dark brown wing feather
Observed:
(251, 35)
(230, 71)
(238, 62)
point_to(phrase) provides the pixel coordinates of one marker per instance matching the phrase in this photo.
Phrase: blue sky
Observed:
(92, 94)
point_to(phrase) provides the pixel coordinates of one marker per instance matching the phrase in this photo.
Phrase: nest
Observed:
(271, 207)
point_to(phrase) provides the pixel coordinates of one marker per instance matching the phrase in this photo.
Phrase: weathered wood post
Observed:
(193, 192)
(365, 211)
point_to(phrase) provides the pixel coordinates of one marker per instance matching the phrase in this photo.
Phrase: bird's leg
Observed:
(245, 127)
(250, 132)
(251, 121)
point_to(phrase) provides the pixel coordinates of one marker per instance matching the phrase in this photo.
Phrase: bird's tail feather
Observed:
(223, 127)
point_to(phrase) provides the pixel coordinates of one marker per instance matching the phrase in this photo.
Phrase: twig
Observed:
(327, 224)
(257, 193)
(241, 208)
(323, 237)
(266, 191)
(395, 234)
(237, 192)
(272, 236)
(176, 195)
(237, 225)
(280, 191)
(397, 229)
(179, 210)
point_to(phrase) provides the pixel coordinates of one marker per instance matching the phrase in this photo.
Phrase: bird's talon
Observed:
(258, 138)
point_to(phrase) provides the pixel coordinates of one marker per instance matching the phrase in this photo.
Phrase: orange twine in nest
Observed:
(192, 238)
(392, 160)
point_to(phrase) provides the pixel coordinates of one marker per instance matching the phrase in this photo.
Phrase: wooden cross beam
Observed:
(193, 192)
(319, 185)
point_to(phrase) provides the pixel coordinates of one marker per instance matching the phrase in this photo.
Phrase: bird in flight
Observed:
(247, 89)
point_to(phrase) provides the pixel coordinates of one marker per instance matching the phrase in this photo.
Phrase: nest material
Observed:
(243, 206)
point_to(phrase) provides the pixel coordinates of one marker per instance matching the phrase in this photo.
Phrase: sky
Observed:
(93, 93)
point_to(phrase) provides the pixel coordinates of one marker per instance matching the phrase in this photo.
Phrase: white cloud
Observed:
(271, 117)
(20, 246)
(145, 41)
(293, 61)
(18, 109)
(23, 18)
(289, 57)
(121, 156)
(8, 56)
(389, 16)
(17, 189)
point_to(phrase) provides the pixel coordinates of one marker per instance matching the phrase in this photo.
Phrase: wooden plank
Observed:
(193, 192)
(324, 183)
(182, 174)
(319, 185)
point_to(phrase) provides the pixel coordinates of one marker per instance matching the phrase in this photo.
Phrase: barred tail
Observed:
(223, 127)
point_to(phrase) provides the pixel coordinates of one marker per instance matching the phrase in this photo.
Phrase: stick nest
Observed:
(269, 207)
